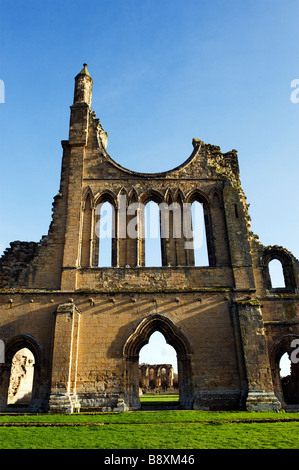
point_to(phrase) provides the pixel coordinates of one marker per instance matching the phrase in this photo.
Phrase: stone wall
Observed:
(14, 260)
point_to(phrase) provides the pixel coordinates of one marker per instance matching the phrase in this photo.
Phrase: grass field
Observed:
(159, 399)
(151, 430)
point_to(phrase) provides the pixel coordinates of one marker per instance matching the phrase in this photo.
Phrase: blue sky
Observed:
(164, 71)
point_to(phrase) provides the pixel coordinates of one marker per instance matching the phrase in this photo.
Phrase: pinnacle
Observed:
(84, 71)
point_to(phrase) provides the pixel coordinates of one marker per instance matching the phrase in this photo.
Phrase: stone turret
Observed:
(83, 87)
(80, 109)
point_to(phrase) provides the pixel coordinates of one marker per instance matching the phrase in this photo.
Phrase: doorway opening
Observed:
(21, 378)
(289, 376)
(158, 372)
(284, 364)
(173, 337)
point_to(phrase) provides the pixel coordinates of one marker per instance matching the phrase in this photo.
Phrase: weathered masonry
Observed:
(82, 321)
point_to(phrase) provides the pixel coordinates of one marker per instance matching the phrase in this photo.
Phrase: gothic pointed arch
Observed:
(149, 224)
(87, 193)
(151, 195)
(24, 341)
(173, 336)
(168, 196)
(175, 245)
(179, 196)
(86, 229)
(216, 198)
(157, 322)
(12, 346)
(133, 195)
(106, 196)
(196, 195)
(122, 192)
(110, 253)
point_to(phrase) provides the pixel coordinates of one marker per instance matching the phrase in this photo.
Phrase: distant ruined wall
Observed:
(14, 260)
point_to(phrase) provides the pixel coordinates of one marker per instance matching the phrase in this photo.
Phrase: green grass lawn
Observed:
(151, 430)
(159, 399)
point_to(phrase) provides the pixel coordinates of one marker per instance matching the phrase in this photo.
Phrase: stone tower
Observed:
(85, 323)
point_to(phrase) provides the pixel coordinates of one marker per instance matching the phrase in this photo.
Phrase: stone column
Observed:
(238, 232)
(170, 376)
(65, 357)
(131, 383)
(4, 384)
(260, 396)
(157, 377)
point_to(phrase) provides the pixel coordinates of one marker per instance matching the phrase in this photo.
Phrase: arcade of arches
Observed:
(77, 307)
(157, 377)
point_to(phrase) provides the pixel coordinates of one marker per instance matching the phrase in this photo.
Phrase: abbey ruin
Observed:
(84, 324)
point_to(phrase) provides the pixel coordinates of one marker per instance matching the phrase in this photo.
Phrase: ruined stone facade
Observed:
(85, 324)
(157, 377)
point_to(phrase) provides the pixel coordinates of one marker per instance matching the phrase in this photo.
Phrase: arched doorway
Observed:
(21, 378)
(158, 368)
(285, 382)
(20, 373)
(173, 336)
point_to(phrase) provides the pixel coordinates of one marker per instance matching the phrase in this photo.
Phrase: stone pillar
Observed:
(238, 232)
(144, 378)
(260, 396)
(4, 384)
(65, 357)
(157, 376)
(131, 383)
(170, 376)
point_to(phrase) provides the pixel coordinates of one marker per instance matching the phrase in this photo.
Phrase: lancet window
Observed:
(155, 231)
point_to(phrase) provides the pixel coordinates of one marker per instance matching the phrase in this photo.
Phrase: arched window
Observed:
(152, 235)
(21, 378)
(276, 274)
(200, 247)
(278, 269)
(86, 233)
(105, 230)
